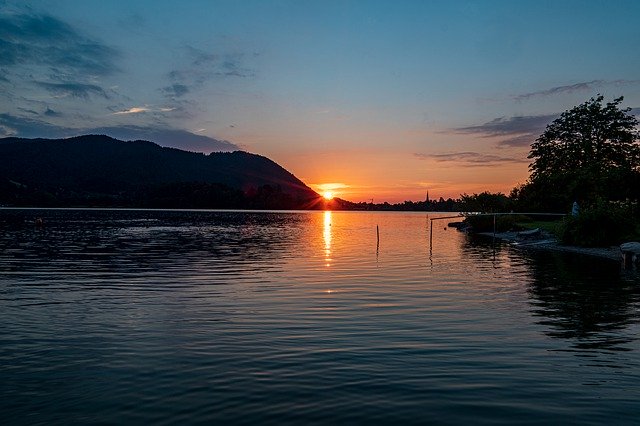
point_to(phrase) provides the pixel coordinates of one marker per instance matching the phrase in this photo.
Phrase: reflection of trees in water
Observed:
(144, 239)
(579, 298)
(481, 247)
(583, 298)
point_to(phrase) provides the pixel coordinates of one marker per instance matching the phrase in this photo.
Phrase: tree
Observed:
(590, 152)
(485, 202)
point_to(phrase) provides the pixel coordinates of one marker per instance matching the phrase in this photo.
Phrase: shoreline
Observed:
(547, 242)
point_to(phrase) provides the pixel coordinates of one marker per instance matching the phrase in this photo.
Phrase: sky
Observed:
(381, 100)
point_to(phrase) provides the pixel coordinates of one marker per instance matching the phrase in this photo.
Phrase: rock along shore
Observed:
(545, 241)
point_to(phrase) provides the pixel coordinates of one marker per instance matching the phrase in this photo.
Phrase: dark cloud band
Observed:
(75, 90)
(517, 131)
(11, 125)
(30, 39)
(471, 159)
(576, 87)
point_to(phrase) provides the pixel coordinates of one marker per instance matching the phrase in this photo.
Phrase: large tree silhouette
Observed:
(590, 152)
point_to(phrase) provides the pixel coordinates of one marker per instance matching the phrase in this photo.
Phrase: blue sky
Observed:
(377, 99)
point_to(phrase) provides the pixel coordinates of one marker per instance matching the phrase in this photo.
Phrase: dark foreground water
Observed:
(255, 318)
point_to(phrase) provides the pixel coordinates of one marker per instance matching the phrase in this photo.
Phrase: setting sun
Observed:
(328, 195)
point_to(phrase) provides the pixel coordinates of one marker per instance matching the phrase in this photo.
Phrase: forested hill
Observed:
(96, 170)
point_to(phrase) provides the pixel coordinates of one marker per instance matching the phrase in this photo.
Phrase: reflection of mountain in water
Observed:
(119, 240)
(580, 298)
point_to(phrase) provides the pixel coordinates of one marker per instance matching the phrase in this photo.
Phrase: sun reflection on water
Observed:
(326, 233)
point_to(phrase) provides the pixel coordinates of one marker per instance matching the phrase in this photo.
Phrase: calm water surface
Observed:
(262, 317)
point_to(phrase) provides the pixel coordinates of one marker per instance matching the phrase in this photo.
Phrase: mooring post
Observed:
(494, 226)
(431, 234)
(378, 234)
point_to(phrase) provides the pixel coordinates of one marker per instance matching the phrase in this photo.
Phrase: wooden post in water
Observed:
(431, 235)
(378, 234)
(494, 226)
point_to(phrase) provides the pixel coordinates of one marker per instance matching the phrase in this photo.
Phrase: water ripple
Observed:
(113, 316)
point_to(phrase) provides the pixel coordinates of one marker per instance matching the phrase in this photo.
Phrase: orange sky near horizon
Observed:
(357, 186)
(397, 174)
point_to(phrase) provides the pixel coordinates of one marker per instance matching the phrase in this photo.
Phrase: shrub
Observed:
(484, 223)
(604, 224)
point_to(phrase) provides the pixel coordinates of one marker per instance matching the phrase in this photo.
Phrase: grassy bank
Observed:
(602, 225)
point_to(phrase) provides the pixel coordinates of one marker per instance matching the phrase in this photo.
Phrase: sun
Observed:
(328, 195)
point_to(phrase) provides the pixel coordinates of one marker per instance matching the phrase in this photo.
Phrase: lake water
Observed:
(300, 318)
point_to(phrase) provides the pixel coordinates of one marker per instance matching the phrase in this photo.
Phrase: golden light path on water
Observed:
(327, 238)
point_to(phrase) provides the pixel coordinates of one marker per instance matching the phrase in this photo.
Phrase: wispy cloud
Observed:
(175, 90)
(471, 159)
(28, 111)
(330, 186)
(226, 64)
(201, 67)
(133, 110)
(165, 136)
(11, 125)
(506, 126)
(51, 113)
(36, 39)
(570, 88)
(575, 87)
(433, 184)
(518, 131)
(75, 90)
(41, 54)
(142, 109)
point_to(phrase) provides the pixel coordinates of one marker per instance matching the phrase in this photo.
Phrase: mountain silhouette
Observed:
(97, 170)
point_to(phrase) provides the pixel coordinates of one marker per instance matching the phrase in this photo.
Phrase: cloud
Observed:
(576, 87)
(232, 68)
(471, 159)
(330, 186)
(132, 110)
(74, 90)
(505, 126)
(11, 125)
(139, 110)
(51, 113)
(571, 88)
(519, 130)
(175, 90)
(29, 111)
(203, 66)
(227, 64)
(42, 55)
(29, 39)
(175, 138)
(200, 57)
